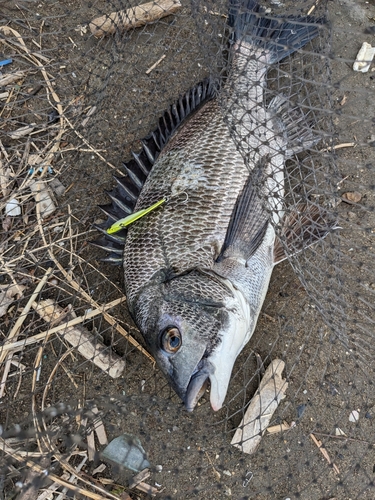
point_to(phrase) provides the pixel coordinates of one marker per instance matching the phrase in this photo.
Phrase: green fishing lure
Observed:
(120, 224)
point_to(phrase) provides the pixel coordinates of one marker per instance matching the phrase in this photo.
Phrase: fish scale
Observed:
(200, 206)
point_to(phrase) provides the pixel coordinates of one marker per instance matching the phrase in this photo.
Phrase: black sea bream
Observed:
(197, 268)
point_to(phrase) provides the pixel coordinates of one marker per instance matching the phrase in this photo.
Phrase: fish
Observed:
(197, 268)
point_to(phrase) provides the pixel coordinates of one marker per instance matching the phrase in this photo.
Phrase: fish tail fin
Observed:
(278, 37)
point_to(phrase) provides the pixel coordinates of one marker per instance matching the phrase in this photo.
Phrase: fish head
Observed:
(195, 326)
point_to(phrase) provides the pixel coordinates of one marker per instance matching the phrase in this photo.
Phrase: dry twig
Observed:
(324, 452)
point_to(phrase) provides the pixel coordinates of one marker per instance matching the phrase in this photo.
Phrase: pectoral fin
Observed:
(249, 220)
(301, 228)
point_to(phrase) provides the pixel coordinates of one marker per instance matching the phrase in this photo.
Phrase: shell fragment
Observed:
(364, 58)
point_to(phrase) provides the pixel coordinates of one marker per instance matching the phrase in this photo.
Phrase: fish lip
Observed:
(197, 385)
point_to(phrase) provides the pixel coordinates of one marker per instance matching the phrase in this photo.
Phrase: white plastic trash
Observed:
(12, 208)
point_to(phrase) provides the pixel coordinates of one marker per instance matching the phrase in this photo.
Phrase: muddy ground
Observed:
(322, 329)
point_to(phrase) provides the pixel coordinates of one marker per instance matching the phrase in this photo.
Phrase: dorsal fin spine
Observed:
(124, 185)
(133, 177)
(145, 169)
(120, 203)
(118, 238)
(148, 152)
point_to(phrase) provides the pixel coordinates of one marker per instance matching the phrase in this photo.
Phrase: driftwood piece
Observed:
(262, 406)
(80, 338)
(133, 17)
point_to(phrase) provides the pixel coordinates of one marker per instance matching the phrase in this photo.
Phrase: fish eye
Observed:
(171, 339)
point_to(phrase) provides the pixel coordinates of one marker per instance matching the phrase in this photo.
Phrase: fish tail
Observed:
(278, 37)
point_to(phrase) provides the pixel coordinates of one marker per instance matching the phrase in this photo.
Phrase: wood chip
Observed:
(91, 446)
(262, 406)
(99, 427)
(89, 113)
(99, 469)
(147, 488)
(274, 429)
(139, 478)
(343, 100)
(80, 338)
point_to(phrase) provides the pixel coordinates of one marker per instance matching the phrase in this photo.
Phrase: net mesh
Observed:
(75, 373)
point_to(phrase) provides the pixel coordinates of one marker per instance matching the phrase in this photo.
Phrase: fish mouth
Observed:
(199, 383)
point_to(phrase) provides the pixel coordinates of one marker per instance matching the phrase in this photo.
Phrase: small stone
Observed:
(227, 472)
(352, 197)
(354, 416)
(158, 468)
(227, 491)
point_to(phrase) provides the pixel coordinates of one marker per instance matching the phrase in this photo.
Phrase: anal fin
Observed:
(305, 225)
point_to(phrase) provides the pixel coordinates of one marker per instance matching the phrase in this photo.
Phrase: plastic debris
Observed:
(43, 198)
(364, 58)
(301, 410)
(127, 450)
(5, 61)
(12, 208)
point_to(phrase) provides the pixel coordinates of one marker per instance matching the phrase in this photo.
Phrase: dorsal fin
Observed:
(126, 192)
